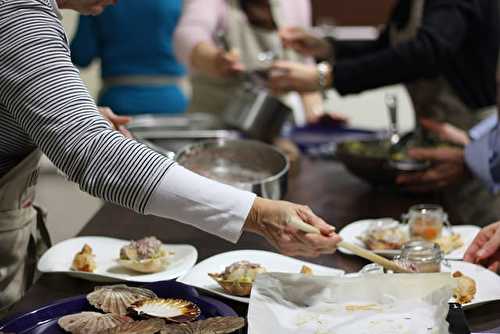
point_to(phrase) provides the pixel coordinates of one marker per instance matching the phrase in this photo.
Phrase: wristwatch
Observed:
(324, 70)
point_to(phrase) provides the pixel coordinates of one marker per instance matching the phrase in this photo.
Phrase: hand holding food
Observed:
(227, 64)
(147, 255)
(84, 260)
(305, 43)
(485, 248)
(270, 219)
(286, 76)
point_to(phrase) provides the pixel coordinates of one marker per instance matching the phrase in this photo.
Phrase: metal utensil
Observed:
(391, 101)
(361, 252)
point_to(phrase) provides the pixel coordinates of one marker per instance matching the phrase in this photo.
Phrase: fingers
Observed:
(446, 131)
(437, 154)
(472, 253)
(490, 248)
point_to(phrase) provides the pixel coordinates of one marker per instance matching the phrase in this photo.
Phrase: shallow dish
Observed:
(351, 233)
(107, 251)
(44, 319)
(273, 262)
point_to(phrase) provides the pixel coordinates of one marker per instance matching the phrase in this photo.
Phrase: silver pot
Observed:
(246, 164)
(256, 113)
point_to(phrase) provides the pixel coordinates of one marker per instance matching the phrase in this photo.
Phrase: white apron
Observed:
(469, 202)
(23, 236)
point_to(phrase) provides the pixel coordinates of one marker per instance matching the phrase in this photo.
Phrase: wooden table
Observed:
(323, 185)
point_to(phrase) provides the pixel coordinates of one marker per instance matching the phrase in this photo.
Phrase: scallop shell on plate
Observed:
(217, 325)
(150, 326)
(91, 322)
(146, 266)
(175, 310)
(236, 288)
(118, 298)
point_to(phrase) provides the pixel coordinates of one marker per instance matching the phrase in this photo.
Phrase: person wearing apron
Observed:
(23, 235)
(445, 52)
(245, 40)
(45, 107)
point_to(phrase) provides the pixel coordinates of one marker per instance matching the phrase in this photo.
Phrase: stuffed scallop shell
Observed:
(117, 298)
(217, 325)
(237, 279)
(91, 322)
(150, 326)
(147, 255)
(175, 310)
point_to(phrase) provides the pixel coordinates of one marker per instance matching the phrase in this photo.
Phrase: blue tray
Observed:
(44, 319)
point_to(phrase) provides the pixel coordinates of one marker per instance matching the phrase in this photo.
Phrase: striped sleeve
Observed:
(42, 91)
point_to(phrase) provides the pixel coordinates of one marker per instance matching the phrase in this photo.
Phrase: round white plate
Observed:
(58, 259)
(353, 231)
(487, 282)
(273, 262)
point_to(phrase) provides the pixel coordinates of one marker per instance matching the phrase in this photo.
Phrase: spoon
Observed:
(391, 101)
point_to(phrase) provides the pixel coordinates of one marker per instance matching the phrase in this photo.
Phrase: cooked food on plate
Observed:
(384, 234)
(237, 279)
(306, 271)
(449, 243)
(118, 298)
(147, 255)
(84, 260)
(466, 288)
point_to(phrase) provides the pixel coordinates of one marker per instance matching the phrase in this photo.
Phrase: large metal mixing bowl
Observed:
(246, 164)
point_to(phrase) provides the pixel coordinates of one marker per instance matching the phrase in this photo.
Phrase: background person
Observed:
(444, 51)
(134, 41)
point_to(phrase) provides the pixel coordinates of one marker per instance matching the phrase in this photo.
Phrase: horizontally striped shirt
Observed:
(44, 104)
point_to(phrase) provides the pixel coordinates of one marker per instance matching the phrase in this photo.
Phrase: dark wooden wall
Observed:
(353, 12)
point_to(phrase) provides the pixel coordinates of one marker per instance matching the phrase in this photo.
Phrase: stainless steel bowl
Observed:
(246, 164)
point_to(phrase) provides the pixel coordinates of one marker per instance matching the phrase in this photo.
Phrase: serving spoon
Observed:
(361, 252)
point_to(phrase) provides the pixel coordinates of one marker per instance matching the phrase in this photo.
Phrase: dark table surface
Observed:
(325, 186)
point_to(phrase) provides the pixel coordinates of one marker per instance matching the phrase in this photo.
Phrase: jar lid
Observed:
(421, 251)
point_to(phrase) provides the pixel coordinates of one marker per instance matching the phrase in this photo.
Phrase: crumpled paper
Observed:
(371, 304)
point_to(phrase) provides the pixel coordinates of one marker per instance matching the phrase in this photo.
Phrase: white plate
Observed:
(58, 259)
(353, 231)
(273, 262)
(487, 282)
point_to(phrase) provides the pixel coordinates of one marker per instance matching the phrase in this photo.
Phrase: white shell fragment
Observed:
(91, 322)
(217, 325)
(117, 298)
(176, 310)
(150, 326)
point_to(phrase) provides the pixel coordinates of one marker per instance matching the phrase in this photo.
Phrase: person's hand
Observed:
(448, 168)
(117, 122)
(227, 64)
(286, 76)
(305, 43)
(86, 7)
(485, 249)
(270, 220)
(445, 131)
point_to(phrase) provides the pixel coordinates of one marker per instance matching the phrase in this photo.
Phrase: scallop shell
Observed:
(218, 325)
(150, 326)
(236, 288)
(147, 266)
(176, 310)
(91, 322)
(117, 298)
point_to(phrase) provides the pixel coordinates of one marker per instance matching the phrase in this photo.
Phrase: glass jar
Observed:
(426, 221)
(422, 256)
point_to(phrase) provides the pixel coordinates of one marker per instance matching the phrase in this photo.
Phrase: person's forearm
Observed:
(205, 204)
(313, 105)
(203, 58)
